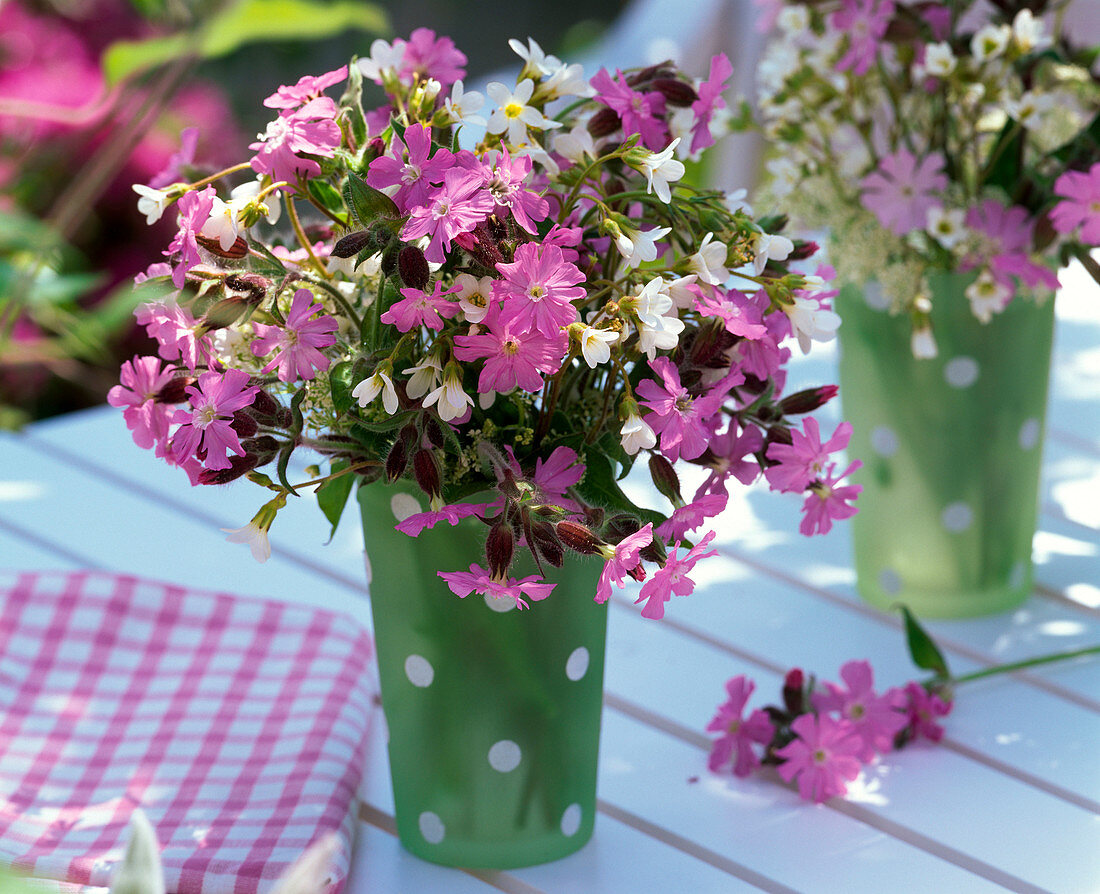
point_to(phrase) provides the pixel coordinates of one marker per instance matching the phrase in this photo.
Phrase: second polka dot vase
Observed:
(950, 446)
(493, 713)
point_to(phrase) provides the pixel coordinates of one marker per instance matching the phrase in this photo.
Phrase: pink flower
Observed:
(172, 170)
(310, 130)
(1008, 229)
(641, 113)
(923, 708)
(454, 208)
(739, 315)
(537, 289)
(826, 502)
(680, 419)
(738, 733)
(513, 358)
(689, 517)
(559, 473)
(309, 87)
(710, 98)
(194, 211)
(415, 524)
(673, 578)
(418, 308)
(298, 342)
(727, 457)
(207, 430)
(141, 380)
(622, 560)
(505, 179)
(823, 757)
(804, 459)
(177, 332)
(428, 57)
(1080, 205)
(900, 192)
(865, 23)
(415, 174)
(478, 580)
(874, 719)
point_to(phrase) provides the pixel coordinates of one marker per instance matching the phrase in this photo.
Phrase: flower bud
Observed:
(238, 466)
(426, 472)
(545, 542)
(396, 460)
(675, 91)
(665, 478)
(350, 245)
(413, 267)
(244, 424)
(236, 251)
(264, 407)
(578, 538)
(654, 552)
(803, 250)
(433, 431)
(389, 261)
(262, 448)
(499, 547)
(793, 691)
(660, 70)
(808, 400)
(604, 123)
(175, 392)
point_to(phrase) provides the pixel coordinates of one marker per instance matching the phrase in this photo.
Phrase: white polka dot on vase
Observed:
(499, 605)
(419, 671)
(505, 756)
(889, 581)
(1029, 433)
(431, 827)
(404, 505)
(957, 517)
(576, 665)
(875, 296)
(884, 440)
(961, 372)
(571, 820)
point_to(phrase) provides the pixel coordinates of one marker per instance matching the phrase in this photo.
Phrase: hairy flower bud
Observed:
(264, 407)
(235, 252)
(426, 472)
(803, 250)
(263, 448)
(175, 392)
(675, 91)
(545, 542)
(499, 547)
(793, 691)
(413, 267)
(665, 478)
(248, 286)
(389, 260)
(808, 400)
(433, 431)
(238, 466)
(244, 424)
(350, 245)
(396, 460)
(578, 538)
(604, 123)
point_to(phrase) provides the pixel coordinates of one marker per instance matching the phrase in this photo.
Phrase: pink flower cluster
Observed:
(821, 738)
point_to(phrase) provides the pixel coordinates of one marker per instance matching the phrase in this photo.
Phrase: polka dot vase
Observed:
(493, 714)
(951, 450)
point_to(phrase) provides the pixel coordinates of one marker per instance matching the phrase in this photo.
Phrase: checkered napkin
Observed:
(238, 725)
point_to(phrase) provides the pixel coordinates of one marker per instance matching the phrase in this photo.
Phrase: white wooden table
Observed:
(1009, 801)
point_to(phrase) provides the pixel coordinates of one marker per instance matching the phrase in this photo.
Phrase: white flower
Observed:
(222, 224)
(380, 383)
(596, 345)
(513, 113)
(533, 56)
(737, 201)
(451, 399)
(947, 227)
(151, 202)
(658, 326)
(383, 62)
(939, 61)
(660, 168)
(423, 377)
(786, 175)
(683, 297)
(473, 296)
(139, 871)
(311, 873)
(638, 246)
(463, 106)
(575, 144)
(709, 262)
(367, 267)
(539, 156)
(568, 80)
(769, 247)
(811, 322)
(989, 42)
(987, 296)
(1029, 32)
(681, 123)
(637, 434)
(242, 195)
(256, 538)
(1030, 107)
(793, 20)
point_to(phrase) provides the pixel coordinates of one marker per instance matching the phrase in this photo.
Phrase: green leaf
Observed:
(366, 202)
(333, 495)
(284, 463)
(599, 487)
(240, 23)
(341, 379)
(326, 194)
(268, 265)
(922, 648)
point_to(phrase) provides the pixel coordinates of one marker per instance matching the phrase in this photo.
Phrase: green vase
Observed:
(493, 715)
(951, 449)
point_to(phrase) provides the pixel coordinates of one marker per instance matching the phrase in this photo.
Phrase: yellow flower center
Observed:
(513, 110)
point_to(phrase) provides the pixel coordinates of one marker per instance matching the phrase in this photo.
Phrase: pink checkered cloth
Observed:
(238, 725)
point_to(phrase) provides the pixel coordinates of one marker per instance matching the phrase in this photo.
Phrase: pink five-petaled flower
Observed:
(738, 733)
(309, 87)
(728, 451)
(427, 57)
(803, 461)
(923, 708)
(207, 429)
(640, 113)
(311, 129)
(413, 176)
(826, 503)
(299, 340)
(621, 560)
(874, 719)
(453, 513)
(194, 211)
(179, 334)
(823, 757)
(514, 358)
(710, 98)
(141, 379)
(901, 192)
(690, 516)
(538, 288)
(673, 578)
(454, 208)
(865, 23)
(738, 314)
(1080, 205)
(478, 580)
(677, 417)
(418, 308)
(505, 180)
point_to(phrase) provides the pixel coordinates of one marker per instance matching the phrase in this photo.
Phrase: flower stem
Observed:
(220, 174)
(292, 213)
(1026, 663)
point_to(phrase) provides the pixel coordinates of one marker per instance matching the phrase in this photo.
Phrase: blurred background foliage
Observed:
(94, 97)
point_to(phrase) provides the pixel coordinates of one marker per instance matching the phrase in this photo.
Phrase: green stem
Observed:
(1026, 663)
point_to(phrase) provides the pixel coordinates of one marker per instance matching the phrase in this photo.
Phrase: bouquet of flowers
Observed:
(957, 136)
(506, 309)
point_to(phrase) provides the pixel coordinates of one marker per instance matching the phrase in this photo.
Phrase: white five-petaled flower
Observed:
(473, 296)
(568, 80)
(247, 191)
(660, 169)
(380, 383)
(223, 223)
(383, 62)
(513, 114)
(423, 377)
(151, 202)
(463, 105)
(658, 326)
(575, 144)
(987, 296)
(990, 41)
(256, 538)
(1029, 32)
(637, 434)
(683, 297)
(638, 246)
(596, 345)
(939, 60)
(709, 262)
(534, 56)
(769, 247)
(450, 400)
(811, 322)
(367, 267)
(947, 226)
